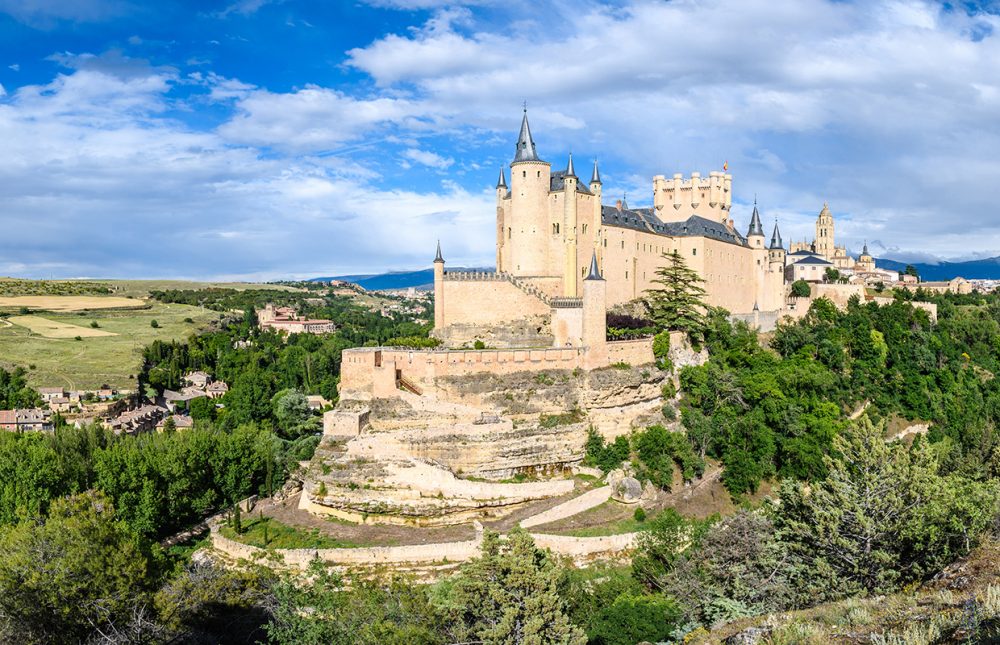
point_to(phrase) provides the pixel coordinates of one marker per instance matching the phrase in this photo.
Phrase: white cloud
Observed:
(428, 158)
(96, 183)
(45, 14)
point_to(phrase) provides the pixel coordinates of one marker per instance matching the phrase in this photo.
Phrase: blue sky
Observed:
(274, 139)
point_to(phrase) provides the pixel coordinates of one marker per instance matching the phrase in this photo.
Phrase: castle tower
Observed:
(755, 234)
(824, 233)
(776, 250)
(439, 289)
(501, 220)
(865, 261)
(595, 332)
(595, 222)
(528, 223)
(570, 279)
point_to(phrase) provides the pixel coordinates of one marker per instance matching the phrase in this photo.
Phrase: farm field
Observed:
(95, 360)
(52, 329)
(68, 303)
(15, 287)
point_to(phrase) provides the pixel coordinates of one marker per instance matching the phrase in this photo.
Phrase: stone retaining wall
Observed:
(580, 549)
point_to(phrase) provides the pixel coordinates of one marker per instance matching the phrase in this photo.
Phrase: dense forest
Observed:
(807, 407)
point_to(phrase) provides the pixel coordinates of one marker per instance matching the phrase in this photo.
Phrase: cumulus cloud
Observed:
(428, 158)
(96, 182)
(880, 108)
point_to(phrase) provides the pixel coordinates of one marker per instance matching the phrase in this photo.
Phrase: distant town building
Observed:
(287, 320)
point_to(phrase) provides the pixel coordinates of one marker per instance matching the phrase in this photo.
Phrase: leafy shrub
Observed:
(154, 324)
(659, 449)
(603, 455)
(800, 289)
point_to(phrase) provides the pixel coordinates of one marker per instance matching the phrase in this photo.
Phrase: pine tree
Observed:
(678, 303)
(510, 595)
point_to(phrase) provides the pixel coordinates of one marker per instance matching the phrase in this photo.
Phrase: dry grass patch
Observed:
(52, 329)
(69, 303)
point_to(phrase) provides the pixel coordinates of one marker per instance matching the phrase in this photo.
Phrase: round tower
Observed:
(528, 216)
(570, 279)
(439, 289)
(595, 218)
(755, 234)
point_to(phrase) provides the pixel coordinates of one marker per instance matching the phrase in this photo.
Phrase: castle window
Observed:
(623, 244)
(539, 173)
(694, 251)
(584, 229)
(555, 229)
(626, 275)
(524, 173)
(508, 233)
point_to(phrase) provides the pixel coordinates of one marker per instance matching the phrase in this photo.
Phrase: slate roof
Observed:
(803, 252)
(812, 259)
(643, 219)
(525, 150)
(557, 182)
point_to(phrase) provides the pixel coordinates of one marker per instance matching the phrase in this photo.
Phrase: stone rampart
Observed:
(581, 549)
(633, 352)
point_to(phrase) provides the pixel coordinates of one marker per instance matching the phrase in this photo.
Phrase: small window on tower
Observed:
(584, 229)
(555, 228)
(524, 173)
(694, 251)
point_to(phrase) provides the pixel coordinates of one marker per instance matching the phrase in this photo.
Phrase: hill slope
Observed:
(986, 269)
(421, 279)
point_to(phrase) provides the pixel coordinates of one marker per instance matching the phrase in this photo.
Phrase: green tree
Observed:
(831, 275)
(911, 270)
(677, 304)
(800, 289)
(510, 595)
(202, 409)
(882, 517)
(78, 571)
(327, 611)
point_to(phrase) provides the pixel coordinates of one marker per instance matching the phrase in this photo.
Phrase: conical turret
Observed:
(525, 144)
(776, 238)
(570, 172)
(756, 228)
(438, 257)
(596, 177)
(595, 272)
(502, 182)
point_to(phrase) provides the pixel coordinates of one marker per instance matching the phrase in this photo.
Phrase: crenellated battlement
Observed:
(676, 198)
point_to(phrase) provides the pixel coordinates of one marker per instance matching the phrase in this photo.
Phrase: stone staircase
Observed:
(527, 288)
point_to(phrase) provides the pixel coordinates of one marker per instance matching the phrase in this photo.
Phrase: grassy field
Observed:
(68, 303)
(91, 362)
(269, 533)
(14, 287)
(52, 329)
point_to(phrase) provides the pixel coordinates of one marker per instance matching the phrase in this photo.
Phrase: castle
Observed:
(432, 435)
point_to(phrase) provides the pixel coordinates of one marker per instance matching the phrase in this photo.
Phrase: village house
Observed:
(198, 379)
(25, 420)
(216, 389)
(142, 419)
(181, 422)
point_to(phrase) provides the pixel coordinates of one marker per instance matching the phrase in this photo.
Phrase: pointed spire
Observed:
(596, 177)
(776, 238)
(625, 200)
(525, 144)
(570, 172)
(439, 258)
(595, 273)
(502, 182)
(756, 228)
(864, 251)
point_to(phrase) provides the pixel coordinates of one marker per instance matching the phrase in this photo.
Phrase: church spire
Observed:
(502, 182)
(776, 238)
(570, 172)
(438, 257)
(756, 228)
(864, 251)
(525, 144)
(596, 177)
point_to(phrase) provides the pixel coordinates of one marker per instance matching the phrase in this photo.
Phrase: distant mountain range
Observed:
(986, 269)
(422, 279)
